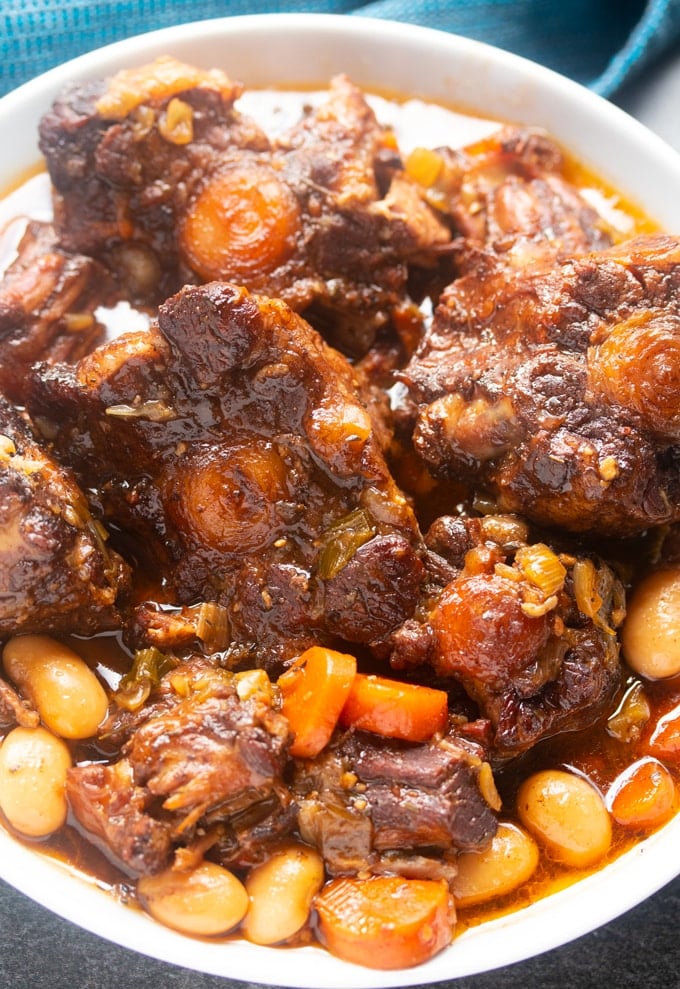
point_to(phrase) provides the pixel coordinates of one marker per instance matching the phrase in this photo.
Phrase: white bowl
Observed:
(297, 49)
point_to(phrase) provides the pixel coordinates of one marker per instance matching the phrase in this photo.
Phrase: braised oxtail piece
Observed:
(376, 805)
(158, 174)
(231, 447)
(201, 759)
(553, 390)
(528, 631)
(125, 154)
(510, 193)
(57, 571)
(48, 302)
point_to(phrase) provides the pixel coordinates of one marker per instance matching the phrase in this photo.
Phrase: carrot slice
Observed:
(394, 709)
(385, 922)
(241, 226)
(661, 739)
(314, 690)
(643, 796)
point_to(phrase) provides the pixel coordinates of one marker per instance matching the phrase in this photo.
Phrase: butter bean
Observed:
(651, 632)
(281, 892)
(643, 796)
(502, 867)
(33, 767)
(205, 901)
(566, 815)
(61, 686)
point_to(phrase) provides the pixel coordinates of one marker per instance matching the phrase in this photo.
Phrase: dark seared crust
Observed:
(535, 663)
(510, 193)
(47, 303)
(197, 756)
(243, 463)
(125, 191)
(560, 402)
(118, 180)
(113, 811)
(56, 571)
(366, 798)
(234, 410)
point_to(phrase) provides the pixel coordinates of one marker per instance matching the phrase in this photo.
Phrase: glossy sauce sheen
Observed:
(595, 753)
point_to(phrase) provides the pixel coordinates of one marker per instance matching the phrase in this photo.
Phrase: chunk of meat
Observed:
(373, 805)
(57, 572)
(528, 631)
(554, 390)
(14, 710)
(126, 154)
(301, 217)
(113, 809)
(250, 838)
(47, 307)
(220, 746)
(171, 629)
(230, 443)
(510, 193)
(202, 762)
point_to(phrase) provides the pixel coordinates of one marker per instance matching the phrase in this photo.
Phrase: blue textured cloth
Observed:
(601, 43)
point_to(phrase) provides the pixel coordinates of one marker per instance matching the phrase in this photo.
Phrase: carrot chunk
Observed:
(385, 922)
(314, 691)
(661, 739)
(643, 796)
(241, 226)
(395, 710)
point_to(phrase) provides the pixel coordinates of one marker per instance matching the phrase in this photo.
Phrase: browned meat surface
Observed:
(510, 193)
(511, 206)
(554, 389)
(56, 571)
(528, 631)
(368, 804)
(231, 446)
(14, 710)
(219, 748)
(250, 837)
(125, 155)
(111, 808)
(204, 770)
(175, 628)
(208, 748)
(176, 186)
(362, 225)
(47, 303)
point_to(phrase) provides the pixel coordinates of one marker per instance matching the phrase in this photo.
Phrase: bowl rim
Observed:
(549, 922)
(554, 920)
(627, 134)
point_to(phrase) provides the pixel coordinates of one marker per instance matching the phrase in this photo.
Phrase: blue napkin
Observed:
(600, 43)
